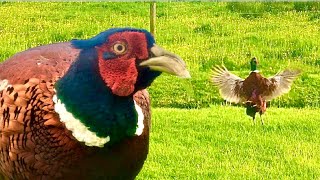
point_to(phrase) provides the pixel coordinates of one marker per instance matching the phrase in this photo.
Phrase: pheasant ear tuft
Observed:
(92, 42)
(103, 37)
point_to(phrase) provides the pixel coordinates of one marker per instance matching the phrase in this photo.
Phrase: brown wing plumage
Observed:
(279, 84)
(34, 144)
(32, 137)
(234, 89)
(44, 62)
(255, 90)
(230, 86)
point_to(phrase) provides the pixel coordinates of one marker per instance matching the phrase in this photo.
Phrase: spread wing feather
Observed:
(279, 84)
(230, 86)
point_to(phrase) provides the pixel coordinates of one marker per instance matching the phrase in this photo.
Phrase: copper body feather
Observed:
(34, 144)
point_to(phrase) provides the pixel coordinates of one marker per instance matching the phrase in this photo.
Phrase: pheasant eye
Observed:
(119, 48)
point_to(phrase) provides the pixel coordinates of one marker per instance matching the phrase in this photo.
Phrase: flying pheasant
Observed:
(255, 90)
(79, 109)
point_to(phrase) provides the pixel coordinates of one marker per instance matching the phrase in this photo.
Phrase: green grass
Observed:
(281, 35)
(221, 142)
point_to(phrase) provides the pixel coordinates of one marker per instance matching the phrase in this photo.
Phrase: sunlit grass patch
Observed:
(221, 142)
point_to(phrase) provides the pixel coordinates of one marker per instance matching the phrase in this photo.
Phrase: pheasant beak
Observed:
(165, 61)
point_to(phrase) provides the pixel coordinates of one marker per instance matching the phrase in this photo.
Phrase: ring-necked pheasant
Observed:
(79, 109)
(255, 90)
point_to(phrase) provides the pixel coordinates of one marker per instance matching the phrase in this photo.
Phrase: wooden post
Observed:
(153, 18)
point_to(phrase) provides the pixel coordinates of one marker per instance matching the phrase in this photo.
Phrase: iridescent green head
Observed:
(253, 64)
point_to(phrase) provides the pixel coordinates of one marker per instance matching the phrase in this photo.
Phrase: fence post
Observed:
(153, 18)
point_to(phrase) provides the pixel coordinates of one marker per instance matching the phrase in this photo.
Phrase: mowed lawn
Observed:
(221, 142)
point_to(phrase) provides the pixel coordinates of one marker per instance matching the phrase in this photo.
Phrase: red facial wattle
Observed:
(119, 71)
(119, 75)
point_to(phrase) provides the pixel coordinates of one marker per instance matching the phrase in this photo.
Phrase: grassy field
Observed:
(221, 142)
(204, 140)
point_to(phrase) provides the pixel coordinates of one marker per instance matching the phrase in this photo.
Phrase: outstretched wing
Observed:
(230, 86)
(279, 84)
